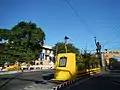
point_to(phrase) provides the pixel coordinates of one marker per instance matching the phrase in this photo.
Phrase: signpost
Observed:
(42, 56)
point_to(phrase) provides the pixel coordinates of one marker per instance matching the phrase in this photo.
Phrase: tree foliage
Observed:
(24, 42)
(90, 60)
(60, 48)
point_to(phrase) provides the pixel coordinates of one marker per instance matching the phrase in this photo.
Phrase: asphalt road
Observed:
(20, 80)
(109, 81)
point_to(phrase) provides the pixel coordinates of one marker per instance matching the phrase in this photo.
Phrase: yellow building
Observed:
(111, 54)
(107, 56)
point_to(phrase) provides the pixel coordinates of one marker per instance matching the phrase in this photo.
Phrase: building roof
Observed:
(49, 47)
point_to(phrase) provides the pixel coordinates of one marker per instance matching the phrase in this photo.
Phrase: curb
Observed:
(36, 70)
(64, 84)
(67, 83)
(13, 72)
(9, 72)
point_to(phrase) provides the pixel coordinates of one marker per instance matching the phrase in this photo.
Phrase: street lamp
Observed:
(66, 38)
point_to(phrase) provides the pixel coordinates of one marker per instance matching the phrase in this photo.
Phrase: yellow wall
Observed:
(107, 57)
(68, 72)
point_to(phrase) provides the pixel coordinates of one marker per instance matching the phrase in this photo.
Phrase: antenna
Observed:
(86, 45)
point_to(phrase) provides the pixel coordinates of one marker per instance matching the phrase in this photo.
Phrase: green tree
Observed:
(4, 34)
(24, 41)
(60, 48)
(94, 61)
(90, 60)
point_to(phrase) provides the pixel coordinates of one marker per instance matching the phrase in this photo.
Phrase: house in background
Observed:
(47, 55)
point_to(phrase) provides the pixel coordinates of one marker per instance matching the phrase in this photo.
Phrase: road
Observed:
(21, 80)
(109, 81)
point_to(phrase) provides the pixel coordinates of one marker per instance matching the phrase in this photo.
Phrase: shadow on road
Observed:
(8, 80)
(23, 79)
(48, 77)
(16, 77)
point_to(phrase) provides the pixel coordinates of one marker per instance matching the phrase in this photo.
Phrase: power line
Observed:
(78, 15)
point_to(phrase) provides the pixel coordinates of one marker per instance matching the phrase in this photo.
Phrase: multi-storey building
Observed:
(47, 55)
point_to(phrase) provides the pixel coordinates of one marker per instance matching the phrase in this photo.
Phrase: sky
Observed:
(81, 23)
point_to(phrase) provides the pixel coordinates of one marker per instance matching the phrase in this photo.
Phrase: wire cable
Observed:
(78, 15)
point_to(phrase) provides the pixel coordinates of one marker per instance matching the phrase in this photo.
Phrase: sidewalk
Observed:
(9, 72)
(20, 71)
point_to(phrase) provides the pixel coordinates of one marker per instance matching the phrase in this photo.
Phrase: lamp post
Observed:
(66, 38)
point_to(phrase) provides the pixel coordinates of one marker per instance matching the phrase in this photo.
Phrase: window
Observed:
(63, 62)
(41, 63)
(37, 67)
(31, 68)
(45, 57)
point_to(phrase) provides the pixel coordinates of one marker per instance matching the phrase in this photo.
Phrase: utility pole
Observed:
(86, 46)
(56, 52)
(106, 57)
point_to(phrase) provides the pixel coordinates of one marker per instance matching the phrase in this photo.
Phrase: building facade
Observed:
(111, 54)
(47, 55)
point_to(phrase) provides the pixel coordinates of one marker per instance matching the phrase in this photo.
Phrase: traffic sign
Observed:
(42, 55)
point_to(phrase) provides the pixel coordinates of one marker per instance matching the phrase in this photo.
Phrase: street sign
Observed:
(42, 56)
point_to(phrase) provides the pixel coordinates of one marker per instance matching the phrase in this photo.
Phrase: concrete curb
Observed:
(9, 72)
(13, 72)
(68, 83)
(64, 84)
